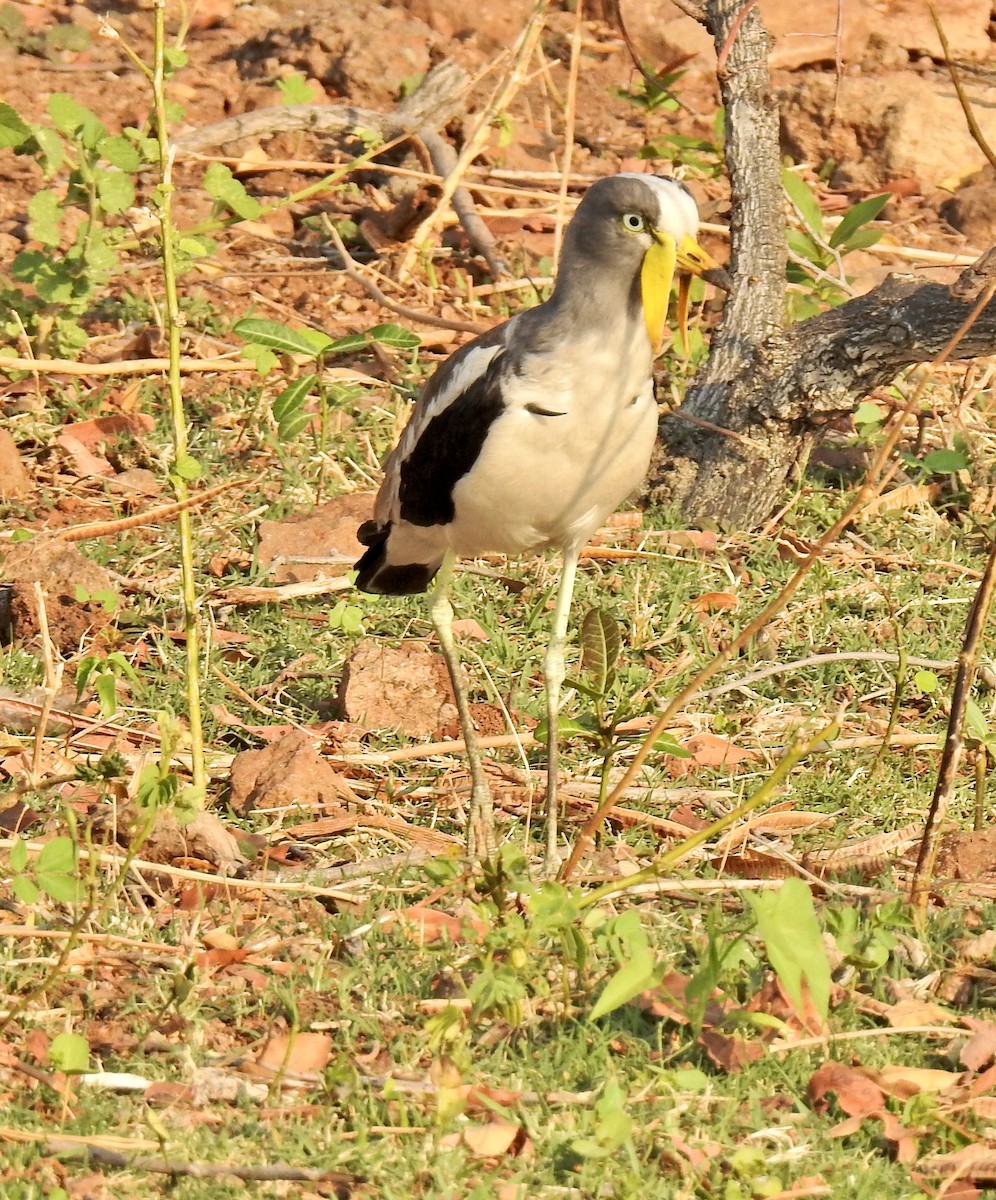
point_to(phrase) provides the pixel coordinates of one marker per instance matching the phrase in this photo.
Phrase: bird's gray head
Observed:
(633, 232)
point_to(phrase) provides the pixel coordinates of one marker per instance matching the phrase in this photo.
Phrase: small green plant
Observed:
(815, 255)
(104, 673)
(702, 156)
(601, 647)
(69, 1053)
(158, 783)
(55, 872)
(346, 617)
(867, 937)
(266, 341)
(295, 89)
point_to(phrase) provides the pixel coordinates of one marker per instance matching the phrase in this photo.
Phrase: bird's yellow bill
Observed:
(656, 277)
(663, 258)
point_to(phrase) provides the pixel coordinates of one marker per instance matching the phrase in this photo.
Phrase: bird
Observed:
(530, 435)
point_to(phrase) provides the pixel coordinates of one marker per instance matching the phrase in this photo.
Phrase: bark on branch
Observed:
(778, 388)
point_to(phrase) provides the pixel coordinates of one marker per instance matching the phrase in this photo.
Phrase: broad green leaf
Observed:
(45, 215)
(295, 89)
(787, 923)
(632, 978)
(25, 889)
(802, 244)
(115, 190)
(106, 689)
(69, 1053)
(667, 744)
(51, 148)
(18, 855)
(395, 337)
(601, 645)
(221, 184)
(945, 462)
(925, 682)
(120, 152)
(318, 341)
(274, 336)
(567, 727)
(858, 215)
(261, 356)
(175, 58)
(187, 468)
(348, 344)
(196, 247)
(868, 413)
(13, 131)
(58, 855)
(293, 396)
(72, 118)
(861, 240)
(976, 724)
(798, 192)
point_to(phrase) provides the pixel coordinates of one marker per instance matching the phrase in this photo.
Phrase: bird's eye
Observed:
(633, 222)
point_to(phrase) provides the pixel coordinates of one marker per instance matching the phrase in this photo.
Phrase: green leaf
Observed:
(787, 924)
(18, 855)
(925, 682)
(858, 215)
(667, 744)
(975, 723)
(868, 413)
(802, 244)
(632, 978)
(13, 131)
(72, 38)
(221, 184)
(25, 890)
(175, 58)
(120, 152)
(115, 190)
(567, 727)
(187, 468)
(945, 462)
(51, 148)
(106, 689)
(798, 192)
(45, 215)
(395, 337)
(74, 119)
(601, 645)
(58, 856)
(862, 240)
(274, 336)
(348, 344)
(69, 1053)
(295, 89)
(288, 408)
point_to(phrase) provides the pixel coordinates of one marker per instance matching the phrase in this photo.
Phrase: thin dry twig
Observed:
(350, 267)
(165, 512)
(968, 661)
(966, 107)
(127, 366)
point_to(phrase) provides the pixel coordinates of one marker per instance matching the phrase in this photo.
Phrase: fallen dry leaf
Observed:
(903, 1081)
(856, 1094)
(296, 1052)
(980, 1049)
(716, 602)
(430, 924)
(906, 1014)
(492, 1140)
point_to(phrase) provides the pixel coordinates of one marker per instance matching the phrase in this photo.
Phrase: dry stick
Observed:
(973, 125)
(817, 660)
(415, 315)
(168, 1166)
(79, 533)
(478, 137)
(178, 417)
(794, 755)
(569, 117)
(128, 366)
(53, 680)
(954, 738)
(873, 484)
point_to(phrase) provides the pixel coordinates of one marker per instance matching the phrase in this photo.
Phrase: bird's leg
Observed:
(481, 825)
(553, 672)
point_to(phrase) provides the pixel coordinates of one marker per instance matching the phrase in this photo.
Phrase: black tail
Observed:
(379, 576)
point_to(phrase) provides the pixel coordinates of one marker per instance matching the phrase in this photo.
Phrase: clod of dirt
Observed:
(14, 478)
(404, 688)
(328, 531)
(971, 209)
(64, 573)
(967, 856)
(290, 771)
(888, 125)
(205, 838)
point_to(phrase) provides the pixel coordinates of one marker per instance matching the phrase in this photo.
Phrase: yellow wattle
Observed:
(656, 277)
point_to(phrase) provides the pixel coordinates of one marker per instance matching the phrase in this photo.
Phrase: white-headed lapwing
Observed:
(531, 434)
